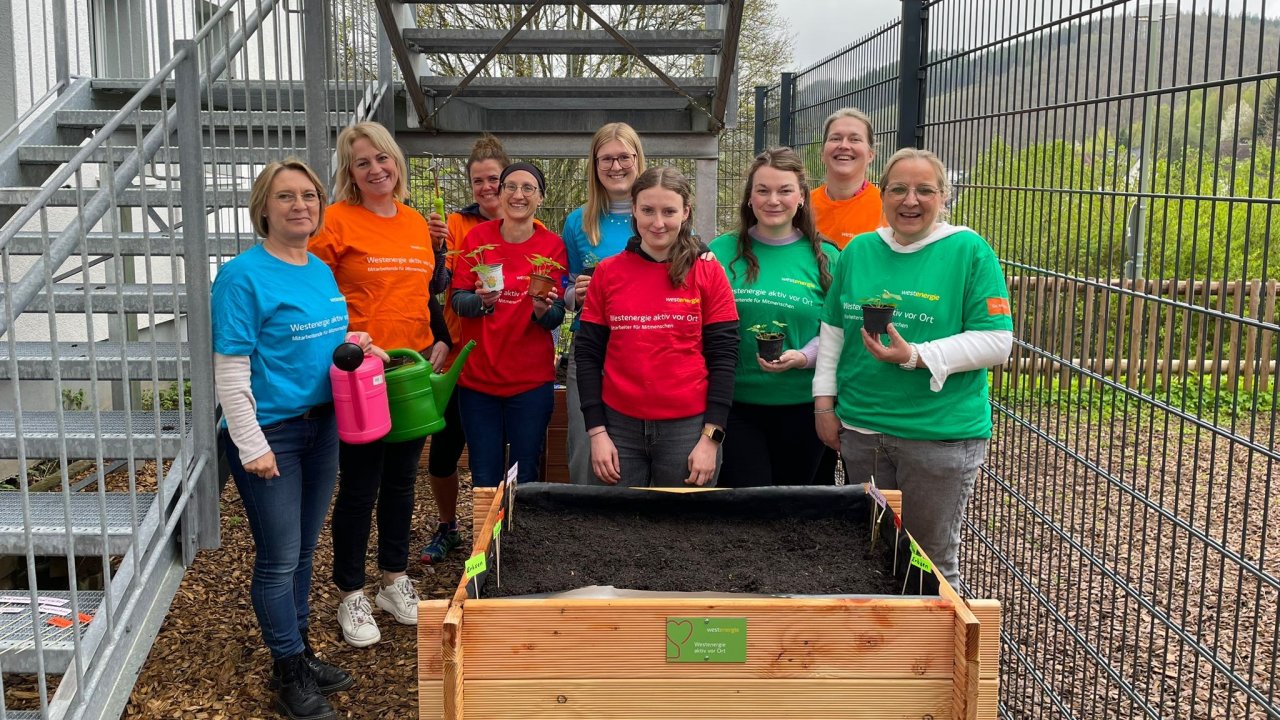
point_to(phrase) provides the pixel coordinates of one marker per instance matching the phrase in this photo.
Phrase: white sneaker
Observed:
(355, 617)
(400, 599)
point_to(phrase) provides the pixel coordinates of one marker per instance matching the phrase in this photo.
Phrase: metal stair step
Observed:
(272, 95)
(49, 522)
(59, 154)
(134, 243)
(566, 2)
(36, 360)
(588, 89)
(571, 42)
(67, 197)
(122, 434)
(17, 637)
(94, 119)
(133, 298)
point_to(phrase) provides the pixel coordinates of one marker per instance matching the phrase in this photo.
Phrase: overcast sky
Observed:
(820, 27)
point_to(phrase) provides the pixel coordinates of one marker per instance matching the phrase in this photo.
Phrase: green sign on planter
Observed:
(703, 640)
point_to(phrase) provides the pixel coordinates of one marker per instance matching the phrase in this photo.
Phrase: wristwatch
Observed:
(915, 358)
(715, 433)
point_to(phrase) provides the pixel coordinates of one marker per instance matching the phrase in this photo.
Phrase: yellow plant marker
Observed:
(476, 564)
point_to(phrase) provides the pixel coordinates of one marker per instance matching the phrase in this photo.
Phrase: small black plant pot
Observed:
(770, 348)
(588, 270)
(875, 318)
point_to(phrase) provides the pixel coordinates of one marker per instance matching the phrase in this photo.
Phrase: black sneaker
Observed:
(297, 696)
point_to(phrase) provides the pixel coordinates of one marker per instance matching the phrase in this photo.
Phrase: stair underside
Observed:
(135, 244)
(36, 360)
(590, 90)
(569, 42)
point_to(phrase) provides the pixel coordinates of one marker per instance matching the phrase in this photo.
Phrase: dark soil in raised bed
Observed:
(757, 540)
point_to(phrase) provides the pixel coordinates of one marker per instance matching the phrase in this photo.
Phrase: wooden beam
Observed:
(431, 614)
(452, 664)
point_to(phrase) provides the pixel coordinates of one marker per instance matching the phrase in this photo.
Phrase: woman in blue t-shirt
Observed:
(598, 230)
(277, 317)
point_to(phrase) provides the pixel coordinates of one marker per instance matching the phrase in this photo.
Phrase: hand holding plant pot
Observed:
(583, 280)
(540, 282)
(877, 311)
(769, 339)
(489, 275)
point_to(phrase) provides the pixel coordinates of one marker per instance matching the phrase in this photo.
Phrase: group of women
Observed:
(665, 384)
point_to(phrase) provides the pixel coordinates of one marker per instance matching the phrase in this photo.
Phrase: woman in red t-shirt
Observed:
(657, 348)
(505, 392)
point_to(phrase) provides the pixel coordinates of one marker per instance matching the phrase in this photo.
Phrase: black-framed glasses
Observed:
(625, 161)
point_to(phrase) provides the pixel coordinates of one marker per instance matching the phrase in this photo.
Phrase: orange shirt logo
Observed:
(998, 306)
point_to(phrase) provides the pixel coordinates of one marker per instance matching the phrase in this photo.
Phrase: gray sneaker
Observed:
(400, 599)
(355, 617)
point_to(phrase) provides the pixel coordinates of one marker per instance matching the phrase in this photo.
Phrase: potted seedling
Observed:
(540, 282)
(769, 339)
(589, 264)
(490, 274)
(877, 311)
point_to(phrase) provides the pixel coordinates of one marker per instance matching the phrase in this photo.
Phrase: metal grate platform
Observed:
(48, 526)
(17, 636)
(35, 360)
(40, 434)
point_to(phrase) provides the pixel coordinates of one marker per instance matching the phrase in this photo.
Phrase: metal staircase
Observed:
(120, 194)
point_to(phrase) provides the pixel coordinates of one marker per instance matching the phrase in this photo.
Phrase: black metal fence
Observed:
(1121, 159)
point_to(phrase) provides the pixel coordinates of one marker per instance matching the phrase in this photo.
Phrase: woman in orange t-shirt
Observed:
(388, 265)
(846, 204)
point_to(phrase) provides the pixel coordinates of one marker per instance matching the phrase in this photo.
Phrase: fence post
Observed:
(200, 527)
(762, 99)
(315, 88)
(911, 78)
(785, 98)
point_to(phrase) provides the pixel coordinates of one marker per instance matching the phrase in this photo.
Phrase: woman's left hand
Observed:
(439, 231)
(366, 344)
(702, 462)
(898, 351)
(788, 360)
(542, 304)
(439, 353)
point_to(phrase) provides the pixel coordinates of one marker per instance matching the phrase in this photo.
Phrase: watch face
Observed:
(716, 434)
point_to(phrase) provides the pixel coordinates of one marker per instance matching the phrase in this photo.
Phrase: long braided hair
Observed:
(786, 160)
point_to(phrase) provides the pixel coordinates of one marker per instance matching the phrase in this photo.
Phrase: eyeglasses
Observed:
(604, 162)
(287, 198)
(525, 189)
(923, 192)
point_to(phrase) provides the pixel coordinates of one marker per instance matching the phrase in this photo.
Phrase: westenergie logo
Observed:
(687, 301)
(801, 283)
(922, 296)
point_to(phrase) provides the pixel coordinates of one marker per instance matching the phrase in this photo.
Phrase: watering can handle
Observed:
(406, 352)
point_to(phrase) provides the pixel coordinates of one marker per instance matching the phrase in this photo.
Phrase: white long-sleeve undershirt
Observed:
(231, 377)
(962, 352)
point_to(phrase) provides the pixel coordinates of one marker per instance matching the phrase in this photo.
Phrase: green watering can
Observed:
(417, 396)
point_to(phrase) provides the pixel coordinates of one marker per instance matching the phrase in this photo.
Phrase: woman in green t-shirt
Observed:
(914, 413)
(779, 268)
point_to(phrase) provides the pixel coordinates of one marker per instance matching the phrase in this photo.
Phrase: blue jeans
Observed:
(655, 453)
(936, 478)
(285, 515)
(491, 422)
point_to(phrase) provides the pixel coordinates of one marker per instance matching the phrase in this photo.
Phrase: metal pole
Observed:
(315, 87)
(1135, 265)
(762, 97)
(200, 517)
(911, 79)
(62, 63)
(8, 73)
(163, 27)
(785, 131)
(385, 112)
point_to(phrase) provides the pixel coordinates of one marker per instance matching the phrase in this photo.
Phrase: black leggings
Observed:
(447, 445)
(771, 445)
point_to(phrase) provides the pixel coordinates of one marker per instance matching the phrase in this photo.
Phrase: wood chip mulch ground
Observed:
(209, 663)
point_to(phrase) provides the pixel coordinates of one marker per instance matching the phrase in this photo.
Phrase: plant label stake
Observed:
(918, 560)
(497, 541)
(883, 502)
(475, 565)
(897, 533)
(509, 498)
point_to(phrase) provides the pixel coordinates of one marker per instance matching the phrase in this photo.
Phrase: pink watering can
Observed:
(359, 395)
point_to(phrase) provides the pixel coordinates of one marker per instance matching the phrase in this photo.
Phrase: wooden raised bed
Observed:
(871, 657)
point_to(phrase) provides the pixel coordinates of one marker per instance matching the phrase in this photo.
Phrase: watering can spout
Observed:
(442, 385)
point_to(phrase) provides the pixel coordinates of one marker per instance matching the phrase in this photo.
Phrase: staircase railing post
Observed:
(61, 60)
(315, 87)
(762, 99)
(911, 77)
(200, 526)
(385, 112)
(786, 131)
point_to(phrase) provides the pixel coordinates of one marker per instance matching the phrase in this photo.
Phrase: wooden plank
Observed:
(1233, 367)
(481, 500)
(988, 614)
(1068, 335)
(851, 699)
(989, 699)
(1269, 336)
(431, 614)
(1086, 328)
(1251, 334)
(451, 652)
(906, 638)
(965, 673)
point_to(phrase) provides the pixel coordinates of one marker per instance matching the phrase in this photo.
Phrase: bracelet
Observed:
(824, 412)
(910, 364)
(602, 432)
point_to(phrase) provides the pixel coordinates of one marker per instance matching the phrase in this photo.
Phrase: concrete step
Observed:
(17, 637)
(591, 90)
(91, 528)
(120, 434)
(36, 360)
(565, 42)
(58, 154)
(132, 298)
(135, 244)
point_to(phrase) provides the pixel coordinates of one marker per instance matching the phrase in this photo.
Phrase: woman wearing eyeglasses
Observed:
(598, 230)
(505, 392)
(913, 411)
(388, 264)
(281, 439)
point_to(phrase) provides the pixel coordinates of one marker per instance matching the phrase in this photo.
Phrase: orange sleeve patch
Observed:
(998, 306)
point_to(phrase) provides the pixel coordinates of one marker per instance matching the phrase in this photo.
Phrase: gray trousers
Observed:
(655, 453)
(578, 444)
(936, 478)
